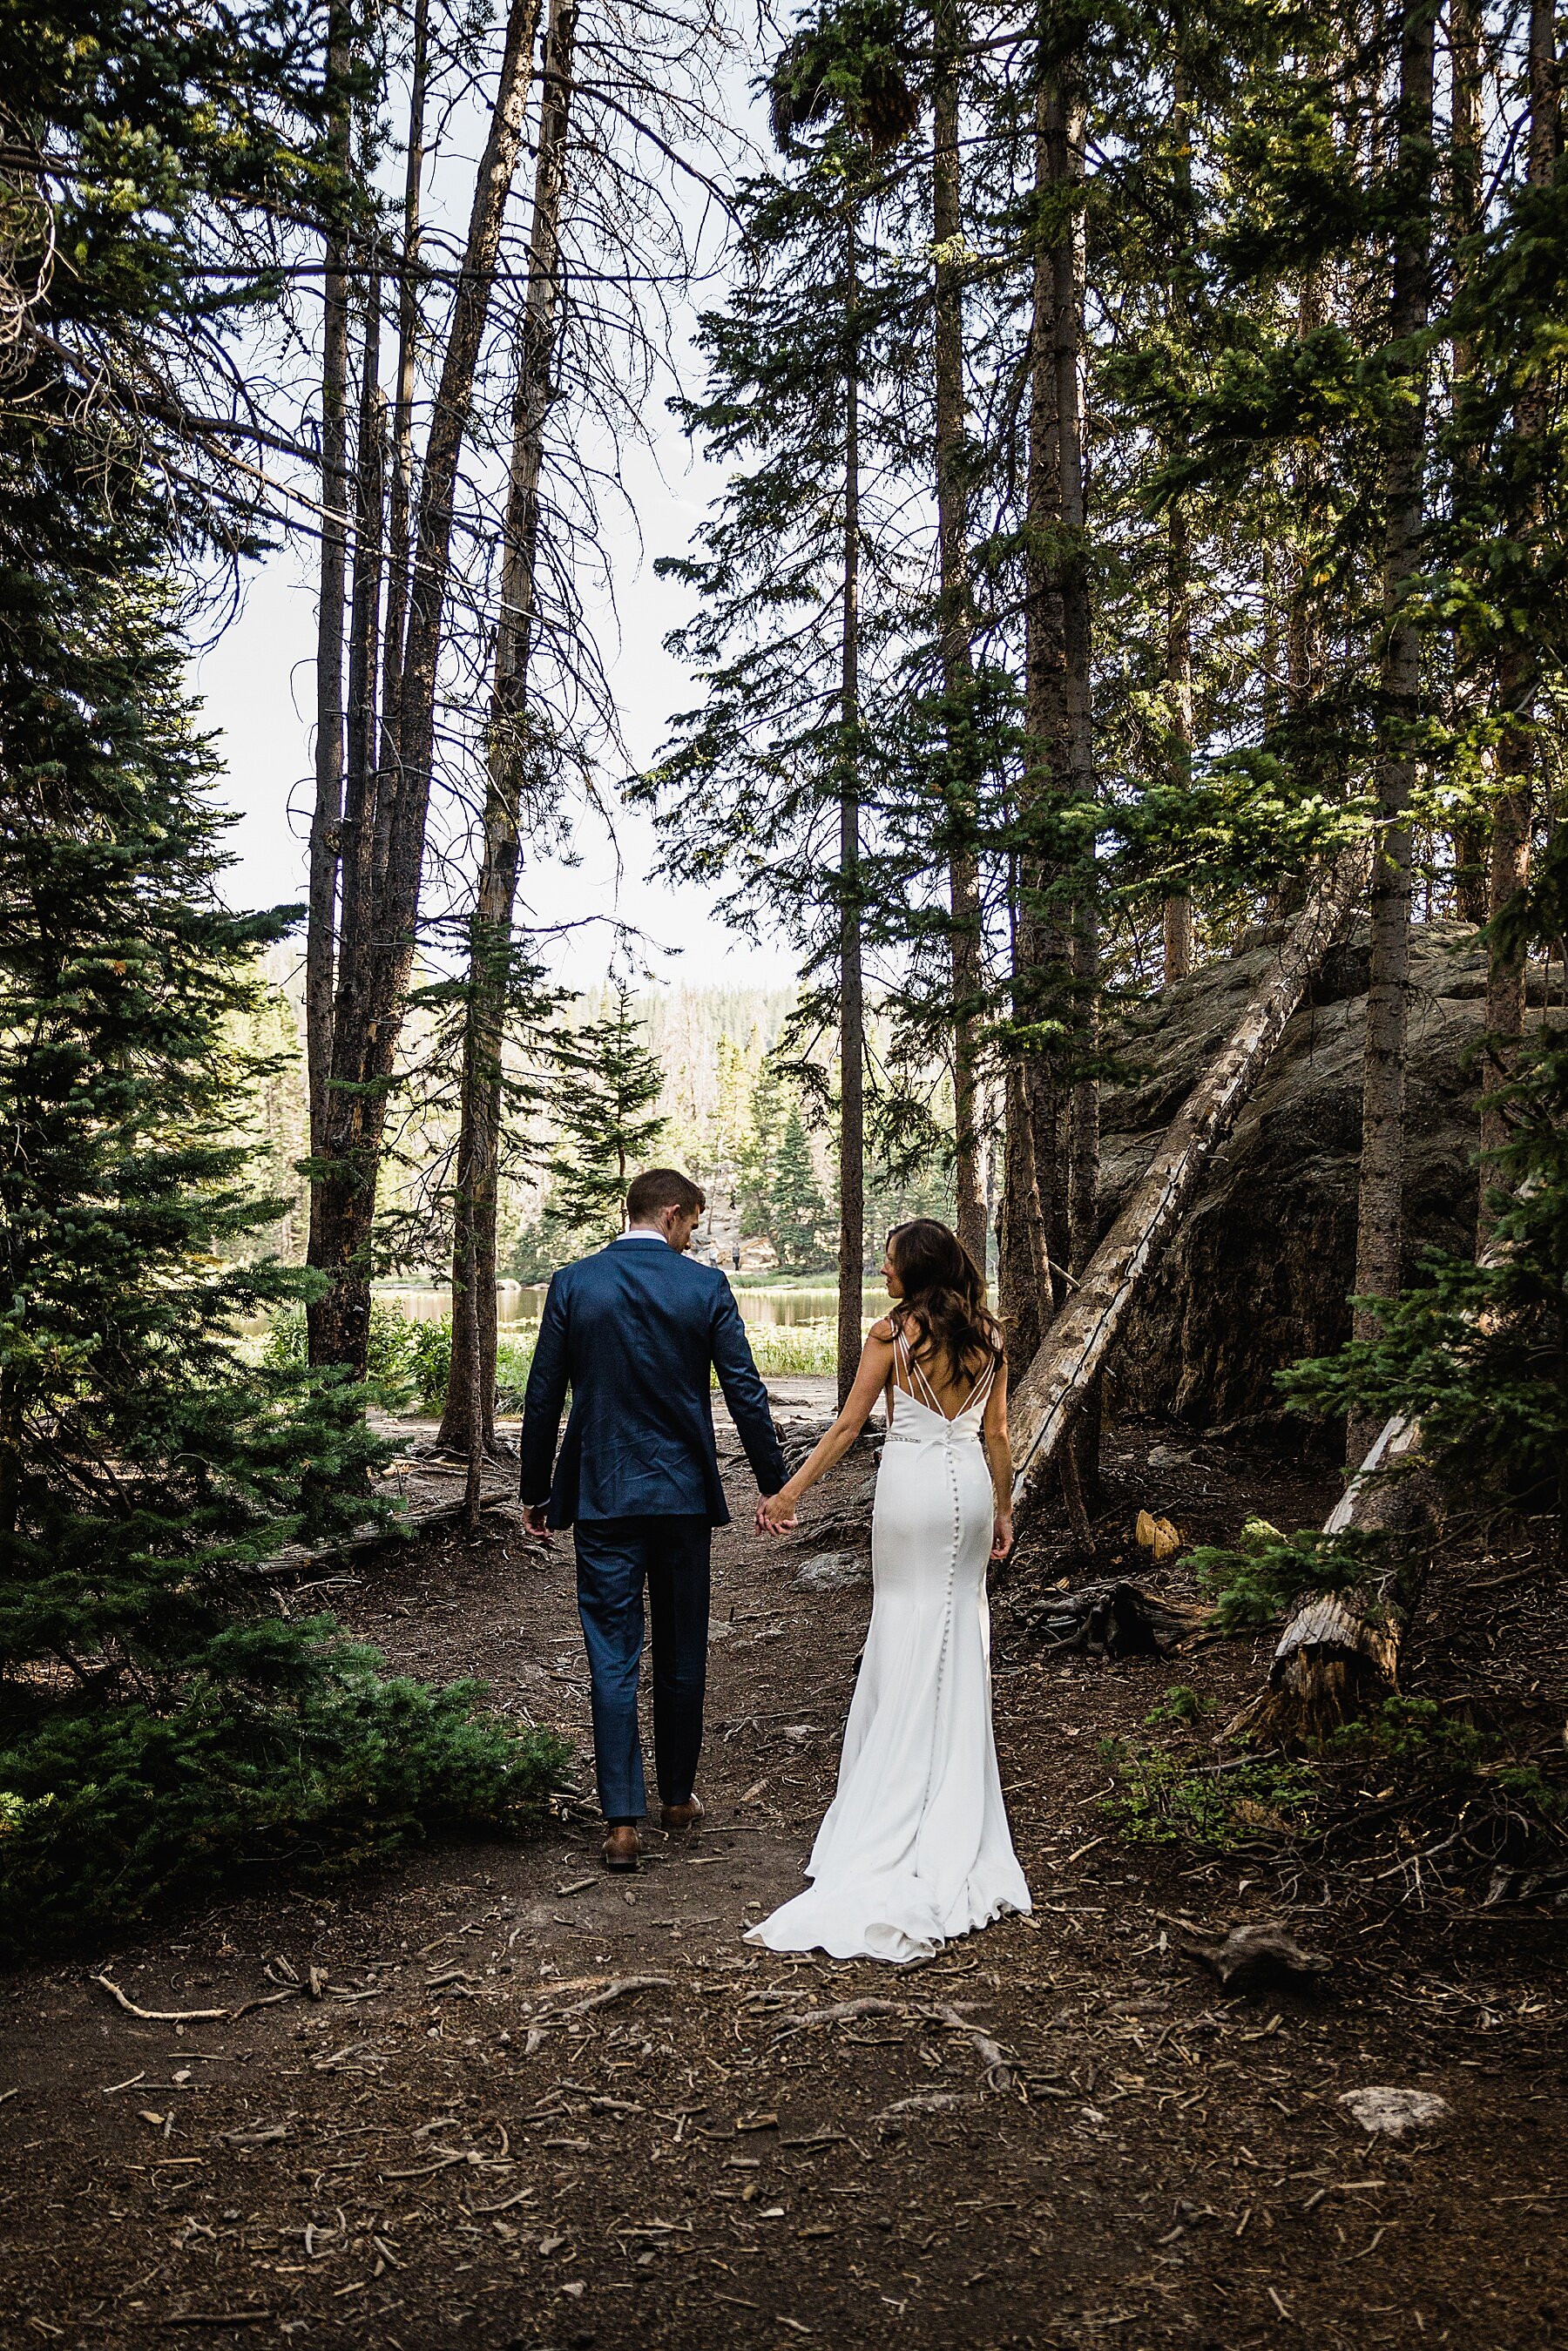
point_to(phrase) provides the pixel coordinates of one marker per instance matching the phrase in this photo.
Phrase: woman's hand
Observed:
(1002, 1534)
(775, 1513)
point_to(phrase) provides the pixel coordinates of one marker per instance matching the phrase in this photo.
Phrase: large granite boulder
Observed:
(1260, 1272)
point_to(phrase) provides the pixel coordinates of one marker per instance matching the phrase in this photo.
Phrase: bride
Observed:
(915, 1846)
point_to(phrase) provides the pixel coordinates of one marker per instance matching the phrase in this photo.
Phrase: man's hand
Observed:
(1001, 1535)
(534, 1520)
(776, 1515)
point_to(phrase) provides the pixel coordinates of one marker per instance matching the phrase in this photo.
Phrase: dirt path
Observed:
(532, 2105)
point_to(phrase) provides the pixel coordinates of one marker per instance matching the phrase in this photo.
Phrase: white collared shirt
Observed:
(643, 1233)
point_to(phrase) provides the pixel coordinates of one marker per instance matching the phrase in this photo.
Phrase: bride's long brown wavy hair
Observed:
(943, 1310)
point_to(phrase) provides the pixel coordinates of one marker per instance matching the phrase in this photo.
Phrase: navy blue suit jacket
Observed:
(633, 1332)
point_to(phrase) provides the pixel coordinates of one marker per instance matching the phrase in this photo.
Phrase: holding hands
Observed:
(775, 1513)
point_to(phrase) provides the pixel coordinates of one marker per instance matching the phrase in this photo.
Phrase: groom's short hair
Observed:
(658, 1188)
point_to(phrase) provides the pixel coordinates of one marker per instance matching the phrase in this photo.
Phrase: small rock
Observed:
(833, 1571)
(1259, 1954)
(717, 1630)
(1394, 2113)
(1166, 1456)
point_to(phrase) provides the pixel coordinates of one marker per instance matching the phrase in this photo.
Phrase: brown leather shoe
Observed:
(622, 1847)
(679, 1820)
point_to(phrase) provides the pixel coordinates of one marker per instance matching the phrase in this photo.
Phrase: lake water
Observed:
(518, 1302)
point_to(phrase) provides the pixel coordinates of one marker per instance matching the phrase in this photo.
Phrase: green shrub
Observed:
(1179, 1704)
(513, 1361)
(1255, 1579)
(1166, 1799)
(392, 1365)
(286, 1746)
(1416, 1733)
(430, 1364)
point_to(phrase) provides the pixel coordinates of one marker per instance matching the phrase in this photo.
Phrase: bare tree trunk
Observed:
(1466, 214)
(468, 1423)
(1033, 1228)
(364, 620)
(1379, 1221)
(1508, 864)
(1303, 648)
(321, 933)
(400, 505)
(852, 999)
(1052, 1390)
(958, 672)
(377, 965)
(1067, 128)
(1176, 913)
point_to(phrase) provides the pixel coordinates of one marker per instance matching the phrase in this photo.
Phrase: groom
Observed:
(633, 1332)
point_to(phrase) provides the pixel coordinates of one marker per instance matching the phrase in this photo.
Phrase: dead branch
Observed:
(162, 2016)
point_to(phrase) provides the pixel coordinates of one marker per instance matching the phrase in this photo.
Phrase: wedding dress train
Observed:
(916, 1847)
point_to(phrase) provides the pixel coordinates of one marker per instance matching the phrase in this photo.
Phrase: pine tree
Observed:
(161, 1722)
(799, 1211)
(768, 1116)
(603, 1104)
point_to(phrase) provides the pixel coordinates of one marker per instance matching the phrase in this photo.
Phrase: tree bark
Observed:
(1066, 134)
(400, 503)
(955, 626)
(1051, 1392)
(1175, 923)
(1303, 648)
(376, 966)
(1466, 215)
(1508, 863)
(1176, 913)
(468, 1422)
(364, 620)
(852, 999)
(321, 930)
(1379, 1219)
(1034, 1220)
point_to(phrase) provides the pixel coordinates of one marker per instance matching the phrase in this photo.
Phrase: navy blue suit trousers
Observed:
(615, 1559)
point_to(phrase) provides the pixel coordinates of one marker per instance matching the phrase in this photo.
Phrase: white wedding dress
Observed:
(915, 1846)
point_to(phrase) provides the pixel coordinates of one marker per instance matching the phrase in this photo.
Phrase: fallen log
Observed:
(1339, 1653)
(1073, 1352)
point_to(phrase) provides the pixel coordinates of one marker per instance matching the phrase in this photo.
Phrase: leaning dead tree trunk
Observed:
(1081, 1339)
(469, 1421)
